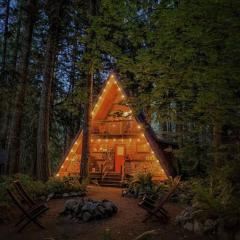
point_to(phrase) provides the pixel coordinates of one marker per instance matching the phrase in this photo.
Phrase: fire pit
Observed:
(85, 209)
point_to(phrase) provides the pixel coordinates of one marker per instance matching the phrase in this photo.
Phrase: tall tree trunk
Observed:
(5, 39)
(3, 78)
(87, 126)
(16, 121)
(6, 115)
(84, 171)
(55, 13)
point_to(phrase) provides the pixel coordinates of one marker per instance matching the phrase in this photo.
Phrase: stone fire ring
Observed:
(85, 209)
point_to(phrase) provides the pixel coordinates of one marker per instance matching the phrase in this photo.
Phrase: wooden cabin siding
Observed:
(114, 126)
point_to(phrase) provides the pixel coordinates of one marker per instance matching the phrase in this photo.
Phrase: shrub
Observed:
(37, 188)
(216, 195)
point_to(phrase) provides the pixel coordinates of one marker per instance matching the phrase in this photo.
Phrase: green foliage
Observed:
(142, 183)
(38, 188)
(217, 196)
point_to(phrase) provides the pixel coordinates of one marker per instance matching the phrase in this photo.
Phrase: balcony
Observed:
(114, 128)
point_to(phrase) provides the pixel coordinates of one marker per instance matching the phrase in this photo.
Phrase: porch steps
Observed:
(110, 180)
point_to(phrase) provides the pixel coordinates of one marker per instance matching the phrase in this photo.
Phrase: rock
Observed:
(101, 209)
(65, 195)
(109, 205)
(86, 216)
(97, 214)
(89, 206)
(72, 194)
(188, 226)
(79, 193)
(50, 196)
(87, 209)
(71, 204)
(58, 195)
(197, 227)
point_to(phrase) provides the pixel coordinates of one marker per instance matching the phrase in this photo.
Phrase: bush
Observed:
(217, 196)
(142, 183)
(37, 188)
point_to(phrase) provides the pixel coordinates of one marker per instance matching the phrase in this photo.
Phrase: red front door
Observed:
(119, 157)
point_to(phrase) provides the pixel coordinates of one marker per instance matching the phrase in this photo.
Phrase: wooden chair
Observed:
(155, 208)
(30, 209)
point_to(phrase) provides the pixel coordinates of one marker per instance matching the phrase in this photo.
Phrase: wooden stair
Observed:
(111, 179)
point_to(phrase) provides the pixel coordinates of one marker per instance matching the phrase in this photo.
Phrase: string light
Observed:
(62, 167)
(57, 175)
(139, 127)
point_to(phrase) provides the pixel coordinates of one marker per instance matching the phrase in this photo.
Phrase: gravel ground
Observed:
(125, 225)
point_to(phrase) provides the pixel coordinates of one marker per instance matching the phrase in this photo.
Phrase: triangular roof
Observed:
(110, 87)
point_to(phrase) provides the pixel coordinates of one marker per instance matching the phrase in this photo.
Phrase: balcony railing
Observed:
(124, 127)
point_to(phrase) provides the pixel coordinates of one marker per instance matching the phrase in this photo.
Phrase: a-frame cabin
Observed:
(120, 141)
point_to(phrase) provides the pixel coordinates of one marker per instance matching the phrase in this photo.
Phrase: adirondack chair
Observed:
(155, 208)
(30, 209)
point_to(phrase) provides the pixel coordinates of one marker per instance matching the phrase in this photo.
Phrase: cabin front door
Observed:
(119, 157)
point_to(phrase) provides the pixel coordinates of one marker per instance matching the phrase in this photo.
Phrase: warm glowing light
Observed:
(119, 89)
(57, 175)
(71, 150)
(139, 127)
(123, 96)
(114, 140)
(104, 90)
(99, 140)
(91, 140)
(67, 158)
(142, 135)
(138, 139)
(62, 167)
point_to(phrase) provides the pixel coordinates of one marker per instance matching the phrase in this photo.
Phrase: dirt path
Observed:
(126, 225)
